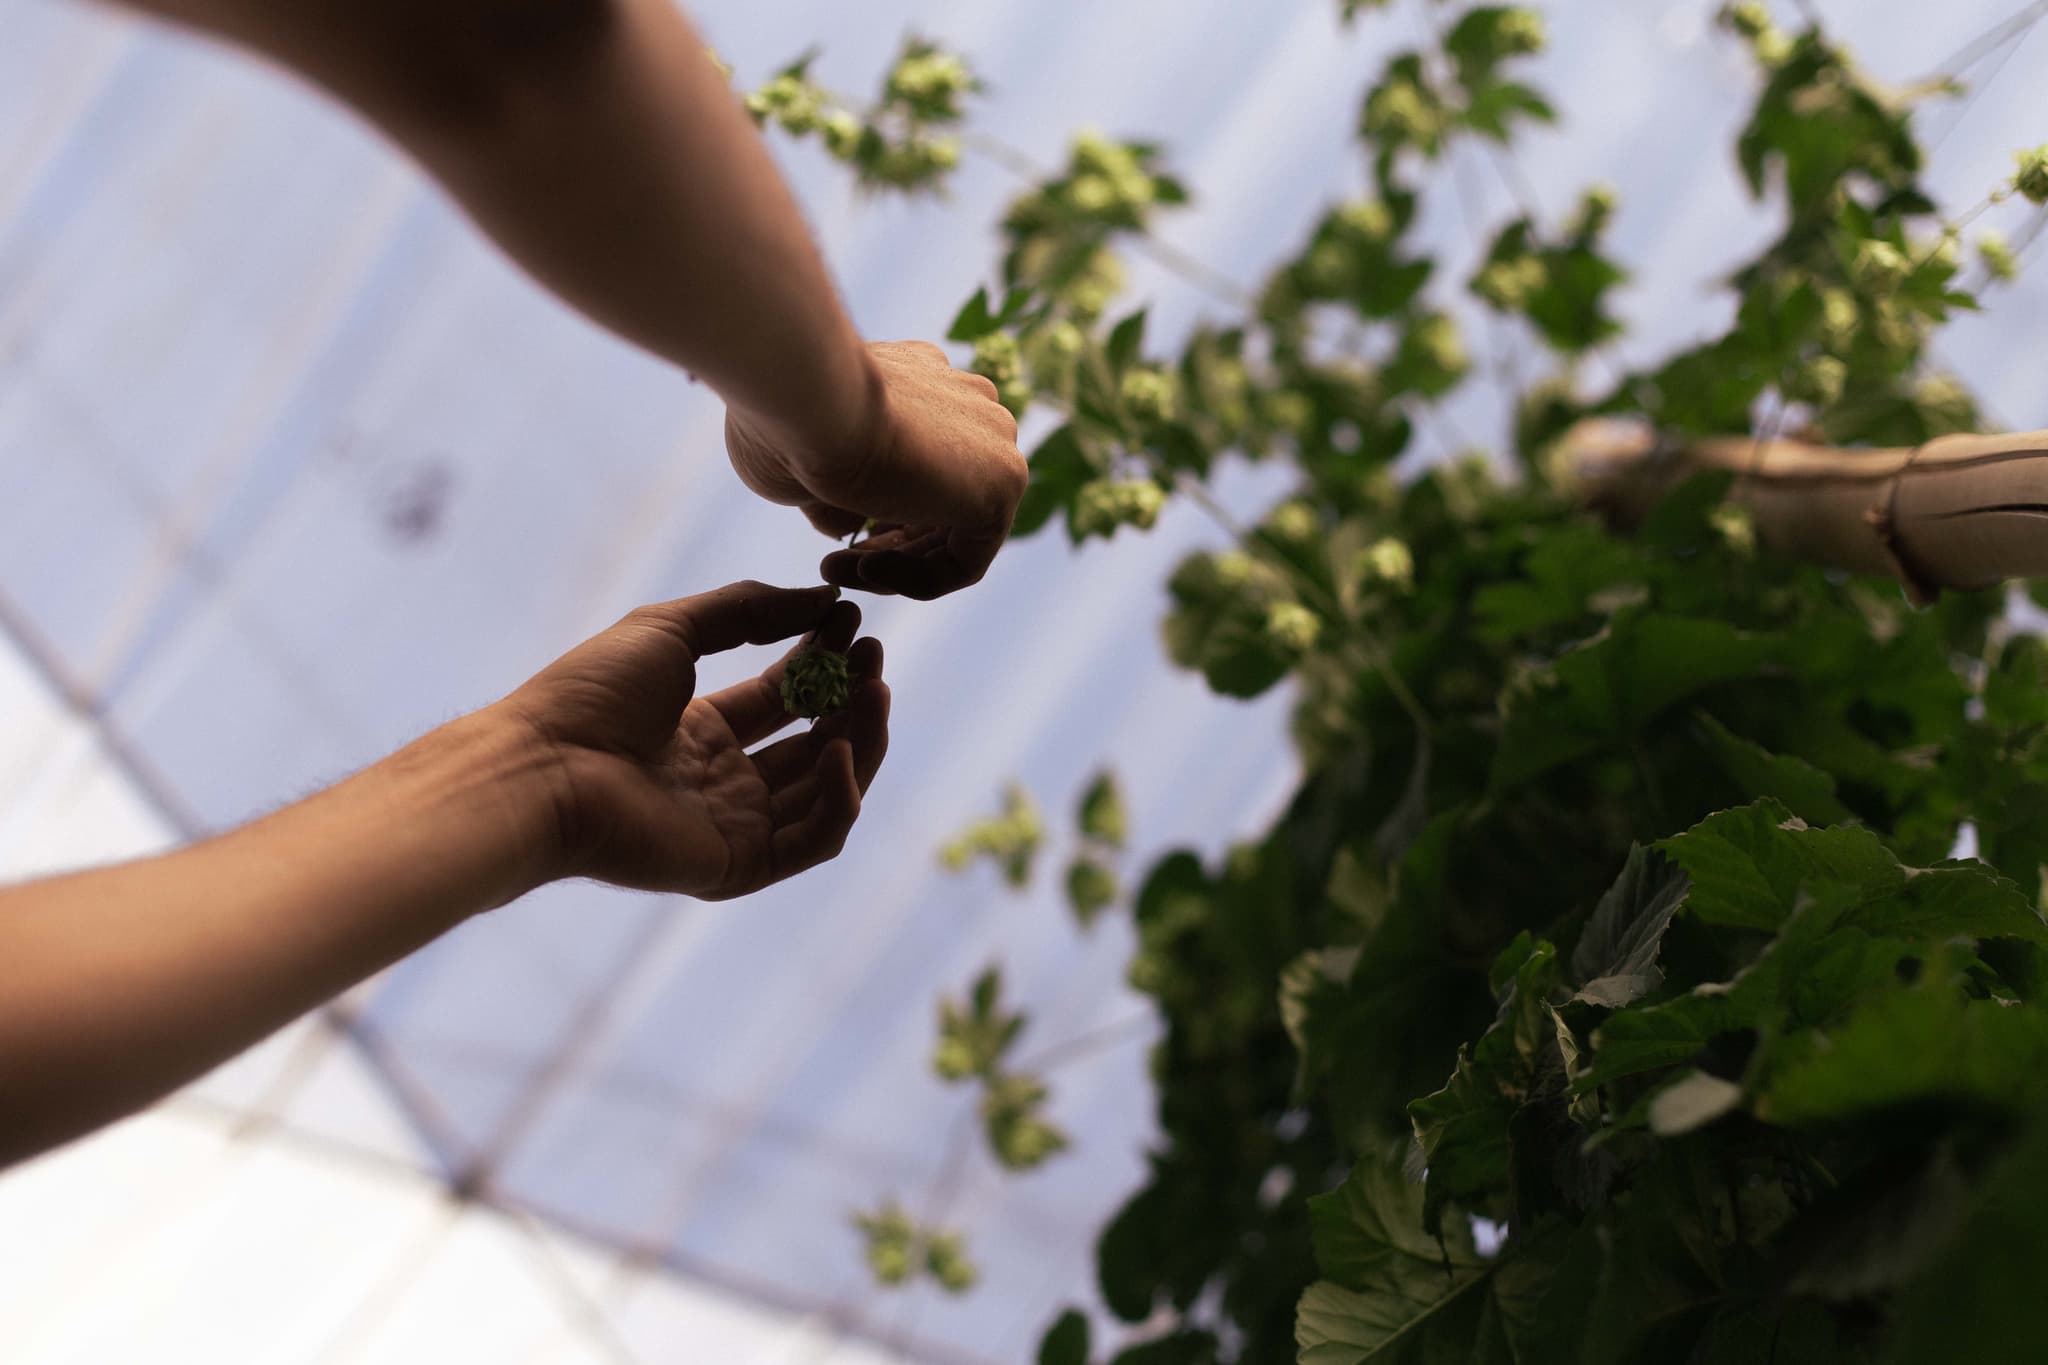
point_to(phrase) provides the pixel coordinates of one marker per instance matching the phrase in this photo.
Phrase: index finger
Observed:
(744, 614)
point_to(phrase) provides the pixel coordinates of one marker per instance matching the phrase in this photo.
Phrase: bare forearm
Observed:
(118, 985)
(597, 143)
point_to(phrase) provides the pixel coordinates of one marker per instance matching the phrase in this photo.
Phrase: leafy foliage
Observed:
(1614, 916)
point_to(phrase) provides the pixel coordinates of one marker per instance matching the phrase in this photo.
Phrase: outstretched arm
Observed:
(118, 985)
(599, 145)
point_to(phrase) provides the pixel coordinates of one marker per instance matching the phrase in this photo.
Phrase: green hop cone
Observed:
(889, 1236)
(1736, 527)
(1369, 219)
(1294, 524)
(1839, 318)
(1996, 254)
(1019, 1137)
(1881, 266)
(1388, 561)
(1149, 395)
(1091, 889)
(1293, 627)
(1508, 284)
(954, 1060)
(945, 1256)
(815, 684)
(889, 1262)
(996, 357)
(1103, 505)
(2031, 180)
(842, 133)
(1750, 19)
(1819, 381)
(1521, 33)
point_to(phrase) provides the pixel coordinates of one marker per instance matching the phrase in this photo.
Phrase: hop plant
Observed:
(1369, 220)
(1054, 349)
(891, 1239)
(1390, 562)
(1018, 1134)
(1996, 254)
(996, 357)
(945, 1258)
(1819, 381)
(1839, 318)
(974, 1036)
(1091, 888)
(1400, 111)
(1736, 527)
(1149, 395)
(1012, 839)
(1293, 627)
(1103, 505)
(1294, 524)
(1880, 266)
(2031, 180)
(1508, 284)
(1520, 33)
(1596, 208)
(815, 683)
(897, 1248)
(1101, 814)
(929, 83)
(842, 133)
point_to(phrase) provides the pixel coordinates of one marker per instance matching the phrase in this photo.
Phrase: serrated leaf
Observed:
(1749, 863)
(1804, 789)
(1605, 689)
(1615, 960)
(1389, 1280)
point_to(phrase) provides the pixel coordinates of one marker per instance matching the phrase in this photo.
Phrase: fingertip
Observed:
(865, 657)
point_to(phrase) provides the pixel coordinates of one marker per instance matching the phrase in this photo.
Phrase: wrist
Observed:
(828, 436)
(506, 779)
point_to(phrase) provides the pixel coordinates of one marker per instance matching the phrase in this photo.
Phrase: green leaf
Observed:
(1980, 1299)
(1748, 864)
(1875, 1233)
(1390, 1283)
(1059, 467)
(1804, 789)
(974, 320)
(1462, 1130)
(1126, 342)
(1604, 690)
(1066, 1341)
(1926, 1043)
(1615, 960)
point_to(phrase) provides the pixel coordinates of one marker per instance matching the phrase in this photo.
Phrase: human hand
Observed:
(654, 787)
(933, 462)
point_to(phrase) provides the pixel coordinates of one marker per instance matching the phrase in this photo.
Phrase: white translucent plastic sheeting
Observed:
(292, 468)
(282, 1211)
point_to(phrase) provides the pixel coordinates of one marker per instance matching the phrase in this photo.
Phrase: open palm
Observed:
(658, 789)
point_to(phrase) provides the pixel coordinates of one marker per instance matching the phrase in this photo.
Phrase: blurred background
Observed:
(293, 467)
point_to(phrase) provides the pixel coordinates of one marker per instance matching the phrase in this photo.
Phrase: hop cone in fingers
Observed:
(814, 684)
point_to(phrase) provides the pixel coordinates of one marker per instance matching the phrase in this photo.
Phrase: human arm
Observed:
(597, 143)
(119, 984)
